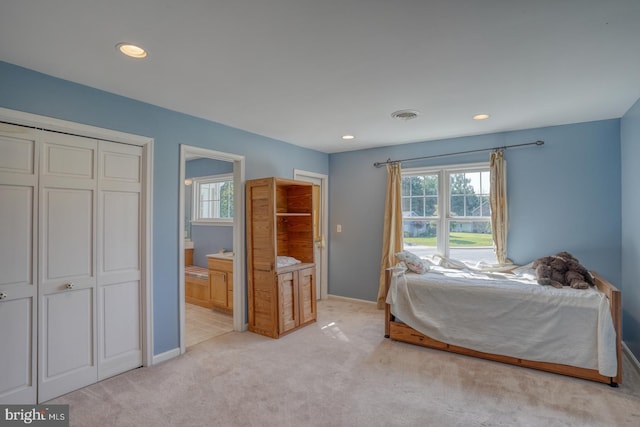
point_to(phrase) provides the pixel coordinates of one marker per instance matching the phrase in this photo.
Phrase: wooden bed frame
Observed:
(401, 332)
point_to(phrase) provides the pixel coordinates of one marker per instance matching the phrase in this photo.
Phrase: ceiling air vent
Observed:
(405, 114)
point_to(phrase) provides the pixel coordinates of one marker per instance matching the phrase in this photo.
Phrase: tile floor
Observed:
(202, 324)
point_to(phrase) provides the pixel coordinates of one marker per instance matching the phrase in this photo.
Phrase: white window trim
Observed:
(195, 209)
(444, 217)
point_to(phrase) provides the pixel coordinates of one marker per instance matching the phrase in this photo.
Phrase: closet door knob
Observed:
(69, 285)
(3, 295)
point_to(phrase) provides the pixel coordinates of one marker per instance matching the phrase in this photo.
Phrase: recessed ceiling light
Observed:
(348, 137)
(405, 114)
(481, 117)
(131, 50)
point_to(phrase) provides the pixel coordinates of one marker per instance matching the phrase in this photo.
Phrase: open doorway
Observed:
(320, 226)
(211, 244)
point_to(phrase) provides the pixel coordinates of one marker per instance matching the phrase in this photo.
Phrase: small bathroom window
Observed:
(213, 199)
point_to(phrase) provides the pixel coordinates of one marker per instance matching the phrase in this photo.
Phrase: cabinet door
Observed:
(307, 294)
(287, 301)
(18, 273)
(230, 290)
(261, 258)
(218, 283)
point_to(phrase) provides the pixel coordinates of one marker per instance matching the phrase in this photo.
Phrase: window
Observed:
(213, 199)
(447, 211)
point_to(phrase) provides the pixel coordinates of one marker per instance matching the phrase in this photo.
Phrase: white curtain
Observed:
(498, 202)
(392, 234)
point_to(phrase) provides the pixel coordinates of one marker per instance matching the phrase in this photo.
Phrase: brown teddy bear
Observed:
(562, 269)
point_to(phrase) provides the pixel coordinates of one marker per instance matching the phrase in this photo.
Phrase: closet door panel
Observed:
(68, 234)
(17, 351)
(121, 330)
(121, 230)
(62, 160)
(68, 322)
(18, 264)
(67, 325)
(67, 285)
(16, 235)
(119, 258)
(17, 148)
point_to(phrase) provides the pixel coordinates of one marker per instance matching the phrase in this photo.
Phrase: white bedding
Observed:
(509, 315)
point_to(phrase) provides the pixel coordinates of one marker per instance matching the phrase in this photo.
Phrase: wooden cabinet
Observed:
(210, 287)
(221, 282)
(279, 224)
(196, 286)
(296, 297)
(188, 256)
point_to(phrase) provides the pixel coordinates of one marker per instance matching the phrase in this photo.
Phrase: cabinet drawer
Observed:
(220, 264)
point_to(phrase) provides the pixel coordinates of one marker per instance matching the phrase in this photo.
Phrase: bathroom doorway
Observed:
(211, 244)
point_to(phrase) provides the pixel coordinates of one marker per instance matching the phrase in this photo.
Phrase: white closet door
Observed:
(119, 258)
(67, 286)
(18, 266)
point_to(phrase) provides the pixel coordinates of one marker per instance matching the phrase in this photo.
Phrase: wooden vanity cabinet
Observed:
(221, 282)
(279, 223)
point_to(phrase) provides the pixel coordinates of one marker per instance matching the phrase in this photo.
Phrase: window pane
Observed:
(485, 182)
(431, 185)
(457, 205)
(417, 207)
(431, 206)
(419, 195)
(406, 186)
(466, 193)
(420, 236)
(471, 241)
(205, 209)
(472, 205)
(215, 200)
(486, 207)
(226, 199)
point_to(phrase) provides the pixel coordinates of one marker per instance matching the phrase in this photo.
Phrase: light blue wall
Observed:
(207, 167)
(25, 90)
(630, 142)
(208, 239)
(564, 195)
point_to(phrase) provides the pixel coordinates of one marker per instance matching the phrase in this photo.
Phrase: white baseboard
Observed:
(163, 357)
(631, 356)
(338, 297)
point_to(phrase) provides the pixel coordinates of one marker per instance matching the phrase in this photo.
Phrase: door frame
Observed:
(239, 290)
(57, 125)
(324, 194)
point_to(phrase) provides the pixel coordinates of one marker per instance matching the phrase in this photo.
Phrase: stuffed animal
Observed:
(562, 269)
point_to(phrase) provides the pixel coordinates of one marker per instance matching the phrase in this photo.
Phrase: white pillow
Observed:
(414, 262)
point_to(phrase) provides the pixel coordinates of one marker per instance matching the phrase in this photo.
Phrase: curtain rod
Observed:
(389, 161)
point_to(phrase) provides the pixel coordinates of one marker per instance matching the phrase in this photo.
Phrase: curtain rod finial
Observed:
(380, 164)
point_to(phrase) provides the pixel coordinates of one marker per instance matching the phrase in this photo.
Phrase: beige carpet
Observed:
(342, 372)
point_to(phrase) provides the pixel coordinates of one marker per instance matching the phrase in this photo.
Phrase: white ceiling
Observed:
(309, 71)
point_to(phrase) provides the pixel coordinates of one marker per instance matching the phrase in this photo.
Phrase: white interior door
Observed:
(67, 285)
(119, 258)
(18, 265)
(319, 226)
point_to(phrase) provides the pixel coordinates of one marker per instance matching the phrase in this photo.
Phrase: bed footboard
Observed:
(401, 332)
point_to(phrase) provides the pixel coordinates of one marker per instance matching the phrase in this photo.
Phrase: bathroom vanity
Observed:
(221, 280)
